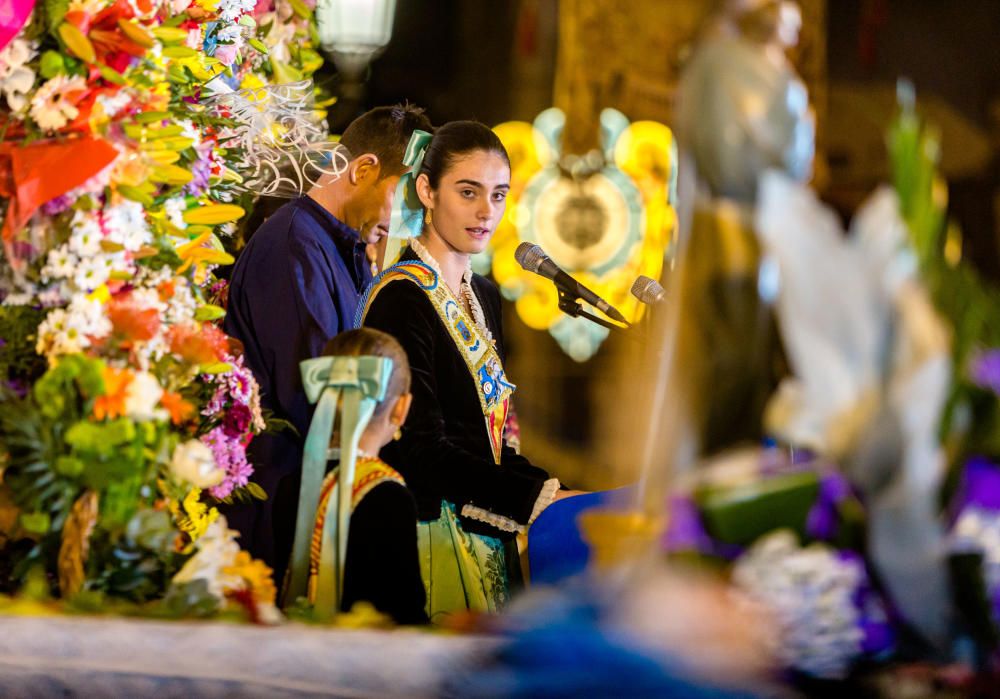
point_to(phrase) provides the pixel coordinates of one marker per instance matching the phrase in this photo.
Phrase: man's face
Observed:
(374, 209)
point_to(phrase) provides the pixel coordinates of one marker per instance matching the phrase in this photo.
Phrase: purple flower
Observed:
(235, 387)
(56, 206)
(20, 387)
(201, 169)
(231, 456)
(237, 420)
(984, 370)
(22, 250)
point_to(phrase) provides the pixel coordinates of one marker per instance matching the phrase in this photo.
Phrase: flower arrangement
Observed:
(126, 412)
(970, 426)
(787, 528)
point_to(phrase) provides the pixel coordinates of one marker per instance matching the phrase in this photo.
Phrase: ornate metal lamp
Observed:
(352, 33)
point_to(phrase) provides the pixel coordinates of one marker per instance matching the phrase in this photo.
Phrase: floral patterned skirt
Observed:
(461, 571)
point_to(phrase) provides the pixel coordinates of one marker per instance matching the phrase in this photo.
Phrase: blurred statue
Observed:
(742, 107)
(741, 110)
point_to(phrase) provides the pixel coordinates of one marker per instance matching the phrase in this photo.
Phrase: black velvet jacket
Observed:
(445, 450)
(382, 565)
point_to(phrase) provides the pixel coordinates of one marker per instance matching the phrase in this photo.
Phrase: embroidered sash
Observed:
(480, 356)
(368, 473)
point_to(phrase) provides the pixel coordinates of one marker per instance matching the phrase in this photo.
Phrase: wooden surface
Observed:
(114, 657)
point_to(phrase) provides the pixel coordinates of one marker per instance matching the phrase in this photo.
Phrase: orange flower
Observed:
(112, 403)
(180, 410)
(133, 323)
(165, 289)
(198, 343)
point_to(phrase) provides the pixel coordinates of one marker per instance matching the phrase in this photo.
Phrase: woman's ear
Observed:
(364, 168)
(401, 409)
(424, 191)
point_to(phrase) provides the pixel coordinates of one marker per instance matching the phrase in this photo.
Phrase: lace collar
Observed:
(465, 288)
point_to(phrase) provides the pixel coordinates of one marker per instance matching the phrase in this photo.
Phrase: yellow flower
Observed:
(252, 81)
(200, 253)
(195, 516)
(257, 576)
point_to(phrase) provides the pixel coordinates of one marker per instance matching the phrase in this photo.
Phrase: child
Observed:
(381, 566)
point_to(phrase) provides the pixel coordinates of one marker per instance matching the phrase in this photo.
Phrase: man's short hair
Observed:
(385, 132)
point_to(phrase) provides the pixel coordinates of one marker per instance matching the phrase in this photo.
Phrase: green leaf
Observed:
(51, 64)
(151, 117)
(111, 75)
(55, 10)
(135, 194)
(256, 491)
(300, 8)
(35, 522)
(209, 312)
(69, 466)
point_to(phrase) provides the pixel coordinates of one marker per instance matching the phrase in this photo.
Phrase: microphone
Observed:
(533, 259)
(648, 290)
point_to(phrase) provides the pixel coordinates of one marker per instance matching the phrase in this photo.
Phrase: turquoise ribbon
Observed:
(357, 384)
(407, 212)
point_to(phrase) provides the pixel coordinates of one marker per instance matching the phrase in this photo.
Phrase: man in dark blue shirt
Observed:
(295, 285)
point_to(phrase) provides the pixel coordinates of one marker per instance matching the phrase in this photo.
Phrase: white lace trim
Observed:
(478, 317)
(506, 524)
(545, 498)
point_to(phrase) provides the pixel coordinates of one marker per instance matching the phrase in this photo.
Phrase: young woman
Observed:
(474, 493)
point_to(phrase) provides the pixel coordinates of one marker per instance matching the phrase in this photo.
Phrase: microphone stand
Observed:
(570, 305)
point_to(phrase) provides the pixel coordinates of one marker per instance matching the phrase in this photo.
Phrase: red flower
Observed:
(114, 44)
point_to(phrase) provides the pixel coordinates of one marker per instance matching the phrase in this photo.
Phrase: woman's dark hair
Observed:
(455, 139)
(368, 342)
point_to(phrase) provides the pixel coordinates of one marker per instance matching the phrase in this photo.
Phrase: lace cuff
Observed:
(545, 498)
(506, 524)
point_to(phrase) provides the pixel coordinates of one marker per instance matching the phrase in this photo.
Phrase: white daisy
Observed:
(91, 272)
(60, 264)
(175, 208)
(16, 78)
(51, 107)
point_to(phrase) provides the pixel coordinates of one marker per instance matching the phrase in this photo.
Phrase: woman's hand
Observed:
(563, 494)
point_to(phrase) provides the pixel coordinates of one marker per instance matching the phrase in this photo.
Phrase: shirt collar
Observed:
(346, 239)
(339, 230)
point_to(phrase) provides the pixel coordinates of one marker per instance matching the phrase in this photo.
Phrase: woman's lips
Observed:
(478, 233)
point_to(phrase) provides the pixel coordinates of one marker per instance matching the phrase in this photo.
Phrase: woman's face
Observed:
(469, 202)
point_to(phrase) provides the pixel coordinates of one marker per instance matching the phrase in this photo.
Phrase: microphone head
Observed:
(647, 290)
(530, 256)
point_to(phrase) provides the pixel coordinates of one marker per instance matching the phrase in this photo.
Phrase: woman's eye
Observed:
(499, 196)
(468, 193)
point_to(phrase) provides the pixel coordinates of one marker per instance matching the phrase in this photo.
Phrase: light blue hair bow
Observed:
(407, 212)
(358, 384)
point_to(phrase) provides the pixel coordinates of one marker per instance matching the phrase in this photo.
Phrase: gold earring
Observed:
(398, 434)
(428, 217)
